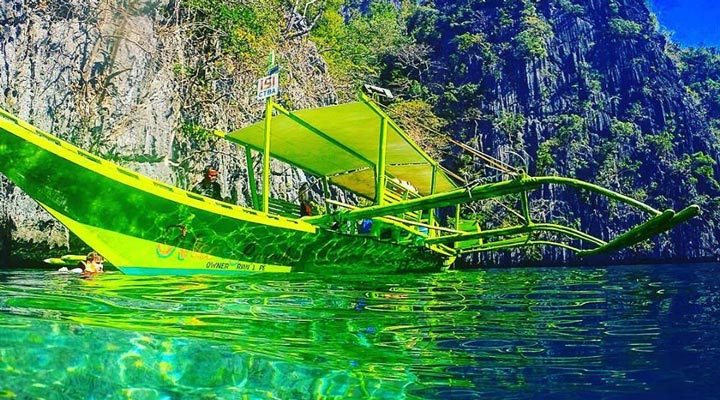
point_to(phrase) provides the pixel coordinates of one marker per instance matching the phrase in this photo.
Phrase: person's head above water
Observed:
(94, 257)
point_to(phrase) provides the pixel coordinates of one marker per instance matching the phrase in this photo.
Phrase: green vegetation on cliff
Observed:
(556, 86)
(355, 43)
(560, 87)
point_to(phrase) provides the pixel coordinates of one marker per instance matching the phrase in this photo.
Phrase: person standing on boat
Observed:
(306, 208)
(209, 186)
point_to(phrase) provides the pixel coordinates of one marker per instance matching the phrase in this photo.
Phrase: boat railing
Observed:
(283, 208)
(406, 231)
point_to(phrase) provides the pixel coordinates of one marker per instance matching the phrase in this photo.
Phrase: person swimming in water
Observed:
(93, 264)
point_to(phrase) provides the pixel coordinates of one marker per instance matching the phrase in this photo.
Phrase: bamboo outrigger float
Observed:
(144, 226)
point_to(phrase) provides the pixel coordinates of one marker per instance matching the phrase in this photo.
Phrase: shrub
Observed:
(422, 125)
(532, 40)
(571, 8)
(243, 29)
(354, 45)
(625, 28)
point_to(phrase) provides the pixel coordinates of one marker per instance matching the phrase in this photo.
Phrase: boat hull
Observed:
(146, 227)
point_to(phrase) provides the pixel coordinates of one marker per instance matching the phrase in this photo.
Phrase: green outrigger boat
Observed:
(146, 227)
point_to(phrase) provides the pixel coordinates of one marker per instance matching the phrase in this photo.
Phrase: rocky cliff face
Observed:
(585, 88)
(588, 89)
(126, 80)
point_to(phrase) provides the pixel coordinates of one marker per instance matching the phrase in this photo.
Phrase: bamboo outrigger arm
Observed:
(659, 221)
(359, 148)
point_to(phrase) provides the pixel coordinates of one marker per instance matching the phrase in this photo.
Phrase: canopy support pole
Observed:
(326, 193)
(266, 158)
(380, 113)
(457, 216)
(431, 216)
(255, 204)
(380, 166)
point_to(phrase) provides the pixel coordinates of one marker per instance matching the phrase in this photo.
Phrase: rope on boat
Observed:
(491, 161)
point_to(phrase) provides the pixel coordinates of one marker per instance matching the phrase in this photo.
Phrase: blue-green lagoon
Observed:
(633, 332)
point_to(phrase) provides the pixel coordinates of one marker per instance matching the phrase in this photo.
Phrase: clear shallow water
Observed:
(591, 333)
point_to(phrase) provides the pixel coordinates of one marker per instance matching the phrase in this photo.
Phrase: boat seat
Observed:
(284, 208)
(468, 226)
(395, 193)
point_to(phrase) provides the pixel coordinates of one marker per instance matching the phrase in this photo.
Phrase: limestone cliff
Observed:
(589, 89)
(583, 88)
(128, 81)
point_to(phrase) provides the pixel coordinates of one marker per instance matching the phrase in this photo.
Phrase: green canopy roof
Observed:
(341, 142)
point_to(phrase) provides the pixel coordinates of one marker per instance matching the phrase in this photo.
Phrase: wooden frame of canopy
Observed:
(355, 146)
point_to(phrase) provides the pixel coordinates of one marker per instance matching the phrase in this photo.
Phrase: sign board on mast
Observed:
(268, 86)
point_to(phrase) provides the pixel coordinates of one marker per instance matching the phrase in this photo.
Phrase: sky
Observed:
(693, 22)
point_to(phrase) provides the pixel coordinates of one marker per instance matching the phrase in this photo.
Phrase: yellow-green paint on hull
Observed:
(134, 221)
(132, 253)
(126, 216)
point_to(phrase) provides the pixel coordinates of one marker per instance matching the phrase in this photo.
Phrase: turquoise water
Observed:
(593, 333)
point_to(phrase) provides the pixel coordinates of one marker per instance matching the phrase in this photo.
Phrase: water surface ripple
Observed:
(591, 333)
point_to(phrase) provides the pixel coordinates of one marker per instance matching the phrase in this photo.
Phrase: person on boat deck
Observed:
(209, 186)
(304, 197)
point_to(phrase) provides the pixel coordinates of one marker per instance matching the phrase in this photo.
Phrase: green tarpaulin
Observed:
(342, 142)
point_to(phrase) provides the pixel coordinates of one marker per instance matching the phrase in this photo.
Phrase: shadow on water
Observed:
(629, 332)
